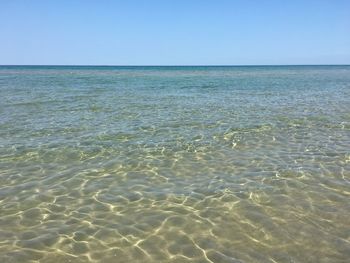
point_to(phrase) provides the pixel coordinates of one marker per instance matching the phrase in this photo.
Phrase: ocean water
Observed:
(175, 164)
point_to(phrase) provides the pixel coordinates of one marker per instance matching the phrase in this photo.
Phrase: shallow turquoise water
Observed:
(175, 164)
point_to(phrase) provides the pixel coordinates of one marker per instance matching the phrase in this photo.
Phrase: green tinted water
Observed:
(175, 164)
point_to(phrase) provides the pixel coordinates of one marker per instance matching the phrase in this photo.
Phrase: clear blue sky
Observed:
(174, 32)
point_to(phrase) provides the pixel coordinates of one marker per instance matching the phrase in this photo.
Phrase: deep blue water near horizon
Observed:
(174, 164)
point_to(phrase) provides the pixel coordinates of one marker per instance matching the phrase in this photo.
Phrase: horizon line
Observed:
(168, 65)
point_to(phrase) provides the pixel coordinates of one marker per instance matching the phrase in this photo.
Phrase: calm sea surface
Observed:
(175, 164)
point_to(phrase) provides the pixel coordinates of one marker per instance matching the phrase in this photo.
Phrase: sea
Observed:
(175, 164)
